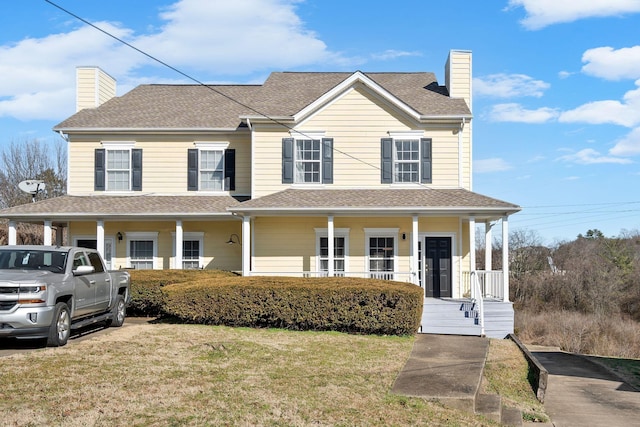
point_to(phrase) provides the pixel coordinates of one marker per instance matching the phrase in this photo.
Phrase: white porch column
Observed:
(330, 245)
(246, 246)
(47, 232)
(13, 233)
(472, 243)
(100, 237)
(414, 250)
(178, 249)
(505, 257)
(487, 246)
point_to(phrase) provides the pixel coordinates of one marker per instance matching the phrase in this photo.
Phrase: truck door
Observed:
(85, 288)
(102, 282)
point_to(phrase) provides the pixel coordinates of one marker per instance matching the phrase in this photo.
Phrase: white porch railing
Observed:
(398, 276)
(491, 284)
(476, 295)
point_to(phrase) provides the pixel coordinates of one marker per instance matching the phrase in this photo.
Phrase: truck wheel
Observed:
(118, 312)
(60, 328)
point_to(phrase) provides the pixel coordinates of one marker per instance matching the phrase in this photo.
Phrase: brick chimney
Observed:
(94, 87)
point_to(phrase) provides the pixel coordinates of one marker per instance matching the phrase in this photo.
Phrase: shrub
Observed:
(341, 304)
(146, 285)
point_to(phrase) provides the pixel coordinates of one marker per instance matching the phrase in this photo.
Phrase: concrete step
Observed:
(511, 417)
(489, 406)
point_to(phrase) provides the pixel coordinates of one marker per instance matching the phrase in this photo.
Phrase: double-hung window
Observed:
(192, 250)
(340, 250)
(307, 158)
(381, 251)
(211, 167)
(118, 167)
(406, 157)
(142, 249)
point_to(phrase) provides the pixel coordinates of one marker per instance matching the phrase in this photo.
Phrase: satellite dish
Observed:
(33, 187)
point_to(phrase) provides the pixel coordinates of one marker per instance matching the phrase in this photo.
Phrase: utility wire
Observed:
(193, 79)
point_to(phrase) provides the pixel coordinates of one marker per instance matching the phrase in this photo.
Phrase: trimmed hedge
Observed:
(146, 285)
(363, 306)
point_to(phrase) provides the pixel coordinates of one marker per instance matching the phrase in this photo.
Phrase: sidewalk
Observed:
(583, 393)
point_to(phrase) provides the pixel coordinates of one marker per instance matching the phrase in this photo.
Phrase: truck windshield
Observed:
(30, 259)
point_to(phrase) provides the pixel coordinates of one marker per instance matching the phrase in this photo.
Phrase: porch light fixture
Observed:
(119, 236)
(233, 239)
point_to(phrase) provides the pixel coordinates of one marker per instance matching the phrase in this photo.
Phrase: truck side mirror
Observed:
(83, 269)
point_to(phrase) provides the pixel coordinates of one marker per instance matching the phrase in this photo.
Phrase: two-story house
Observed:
(309, 174)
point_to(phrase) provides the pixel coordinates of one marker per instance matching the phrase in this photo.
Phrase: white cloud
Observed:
(495, 164)
(565, 74)
(509, 86)
(589, 156)
(215, 38)
(629, 145)
(513, 112)
(612, 64)
(541, 13)
(393, 54)
(625, 113)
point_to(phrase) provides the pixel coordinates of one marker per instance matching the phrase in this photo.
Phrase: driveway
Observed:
(583, 393)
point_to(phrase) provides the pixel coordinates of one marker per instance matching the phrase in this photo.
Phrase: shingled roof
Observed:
(377, 201)
(222, 106)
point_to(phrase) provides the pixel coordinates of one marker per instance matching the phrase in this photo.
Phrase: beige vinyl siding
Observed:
(217, 253)
(357, 122)
(93, 87)
(164, 161)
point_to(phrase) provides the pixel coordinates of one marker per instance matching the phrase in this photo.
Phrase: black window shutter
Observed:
(386, 160)
(425, 160)
(229, 169)
(287, 160)
(136, 169)
(99, 169)
(192, 169)
(327, 160)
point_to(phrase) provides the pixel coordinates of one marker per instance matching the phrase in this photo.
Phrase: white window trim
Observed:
(337, 232)
(211, 146)
(143, 235)
(298, 135)
(312, 134)
(118, 145)
(188, 235)
(112, 146)
(406, 134)
(381, 232)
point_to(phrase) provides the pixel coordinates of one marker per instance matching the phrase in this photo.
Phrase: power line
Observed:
(182, 73)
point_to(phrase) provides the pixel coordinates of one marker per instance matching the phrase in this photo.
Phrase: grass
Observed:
(506, 372)
(626, 369)
(179, 375)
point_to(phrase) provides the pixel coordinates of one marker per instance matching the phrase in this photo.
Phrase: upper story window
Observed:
(307, 159)
(211, 167)
(406, 158)
(118, 167)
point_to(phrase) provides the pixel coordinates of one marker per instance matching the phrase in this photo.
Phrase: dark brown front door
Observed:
(438, 267)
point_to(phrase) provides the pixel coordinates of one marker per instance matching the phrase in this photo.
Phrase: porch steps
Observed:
(450, 316)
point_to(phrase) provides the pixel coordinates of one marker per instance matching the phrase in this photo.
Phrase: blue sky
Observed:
(556, 83)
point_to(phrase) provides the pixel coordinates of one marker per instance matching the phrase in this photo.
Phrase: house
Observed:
(309, 174)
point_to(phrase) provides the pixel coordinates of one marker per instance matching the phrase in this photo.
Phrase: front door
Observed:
(438, 267)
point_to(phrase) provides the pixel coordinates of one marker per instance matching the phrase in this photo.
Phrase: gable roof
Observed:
(283, 94)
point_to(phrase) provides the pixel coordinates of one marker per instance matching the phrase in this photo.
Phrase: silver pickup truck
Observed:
(47, 291)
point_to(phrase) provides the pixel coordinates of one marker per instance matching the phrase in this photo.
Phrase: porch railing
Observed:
(491, 284)
(477, 297)
(398, 276)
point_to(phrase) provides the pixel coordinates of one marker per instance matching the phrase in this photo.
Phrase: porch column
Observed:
(330, 246)
(487, 246)
(414, 250)
(47, 232)
(13, 233)
(505, 257)
(178, 249)
(100, 237)
(472, 254)
(246, 246)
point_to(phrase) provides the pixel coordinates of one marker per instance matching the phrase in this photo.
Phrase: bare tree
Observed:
(32, 159)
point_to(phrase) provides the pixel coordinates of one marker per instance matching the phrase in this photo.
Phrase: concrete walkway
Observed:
(582, 393)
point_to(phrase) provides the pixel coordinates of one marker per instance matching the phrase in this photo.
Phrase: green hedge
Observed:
(350, 305)
(146, 285)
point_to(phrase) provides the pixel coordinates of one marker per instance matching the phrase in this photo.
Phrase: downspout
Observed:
(460, 153)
